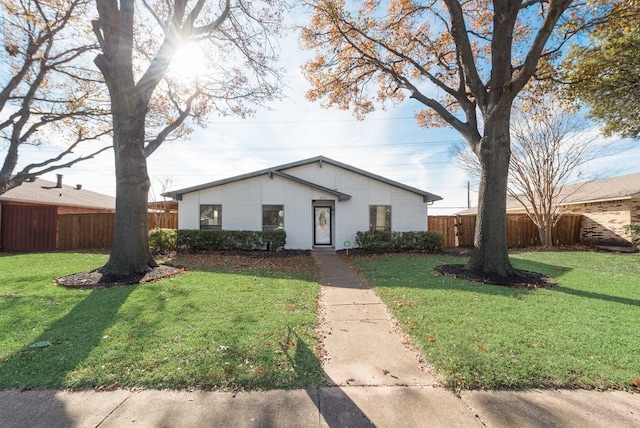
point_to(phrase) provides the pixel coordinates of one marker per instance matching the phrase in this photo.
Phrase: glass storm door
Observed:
(322, 226)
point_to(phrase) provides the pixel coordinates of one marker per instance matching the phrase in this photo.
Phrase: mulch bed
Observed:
(521, 278)
(95, 278)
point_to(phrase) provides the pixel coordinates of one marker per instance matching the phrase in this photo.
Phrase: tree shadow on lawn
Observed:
(432, 276)
(558, 271)
(599, 296)
(69, 340)
(66, 343)
(552, 271)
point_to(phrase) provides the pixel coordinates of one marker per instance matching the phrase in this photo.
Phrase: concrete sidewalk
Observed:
(373, 378)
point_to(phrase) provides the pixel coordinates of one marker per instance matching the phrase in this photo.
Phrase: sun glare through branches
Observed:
(189, 62)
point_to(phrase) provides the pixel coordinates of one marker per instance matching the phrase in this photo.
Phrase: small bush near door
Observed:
(384, 240)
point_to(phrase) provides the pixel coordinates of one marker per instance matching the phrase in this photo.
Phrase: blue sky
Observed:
(387, 143)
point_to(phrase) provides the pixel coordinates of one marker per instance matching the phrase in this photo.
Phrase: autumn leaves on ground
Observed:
(246, 321)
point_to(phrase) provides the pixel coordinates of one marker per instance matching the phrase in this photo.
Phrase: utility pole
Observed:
(468, 194)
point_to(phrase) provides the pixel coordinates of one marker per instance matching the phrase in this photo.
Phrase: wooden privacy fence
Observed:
(163, 220)
(459, 231)
(80, 231)
(27, 227)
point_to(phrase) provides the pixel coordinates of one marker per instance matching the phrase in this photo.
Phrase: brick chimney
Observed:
(59, 182)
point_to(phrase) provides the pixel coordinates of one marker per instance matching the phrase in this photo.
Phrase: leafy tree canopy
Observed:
(606, 73)
(464, 62)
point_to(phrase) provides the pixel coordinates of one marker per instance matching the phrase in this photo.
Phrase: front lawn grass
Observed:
(583, 333)
(224, 324)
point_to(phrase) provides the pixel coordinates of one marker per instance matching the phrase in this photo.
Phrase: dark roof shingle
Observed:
(606, 189)
(46, 193)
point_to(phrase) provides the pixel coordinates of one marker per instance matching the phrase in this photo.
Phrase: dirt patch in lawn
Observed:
(249, 261)
(520, 278)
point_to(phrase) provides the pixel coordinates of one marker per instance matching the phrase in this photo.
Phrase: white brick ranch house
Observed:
(319, 202)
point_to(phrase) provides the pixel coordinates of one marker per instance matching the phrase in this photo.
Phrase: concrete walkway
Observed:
(375, 380)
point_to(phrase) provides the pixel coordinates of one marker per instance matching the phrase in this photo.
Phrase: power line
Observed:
(188, 146)
(269, 122)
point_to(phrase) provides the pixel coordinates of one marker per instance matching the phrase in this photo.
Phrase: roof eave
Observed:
(427, 197)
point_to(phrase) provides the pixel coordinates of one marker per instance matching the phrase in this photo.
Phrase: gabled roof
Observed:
(45, 192)
(280, 172)
(606, 189)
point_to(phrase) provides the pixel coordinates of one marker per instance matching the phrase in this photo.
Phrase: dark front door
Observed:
(322, 225)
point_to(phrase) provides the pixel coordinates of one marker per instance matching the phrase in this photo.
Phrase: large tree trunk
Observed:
(130, 253)
(490, 254)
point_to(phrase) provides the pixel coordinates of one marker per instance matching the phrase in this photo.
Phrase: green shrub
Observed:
(633, 230)
(275, 239)
(163, 239)
(384, 240)
(218, 240)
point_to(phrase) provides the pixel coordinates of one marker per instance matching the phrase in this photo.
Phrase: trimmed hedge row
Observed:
(382, 240)
(217, 240)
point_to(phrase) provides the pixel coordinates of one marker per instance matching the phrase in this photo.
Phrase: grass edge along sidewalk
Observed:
(582, 333)
(226, 324)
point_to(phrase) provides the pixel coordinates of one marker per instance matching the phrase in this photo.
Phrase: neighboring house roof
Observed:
(280, 172)
(606, 189)
(45, 192)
